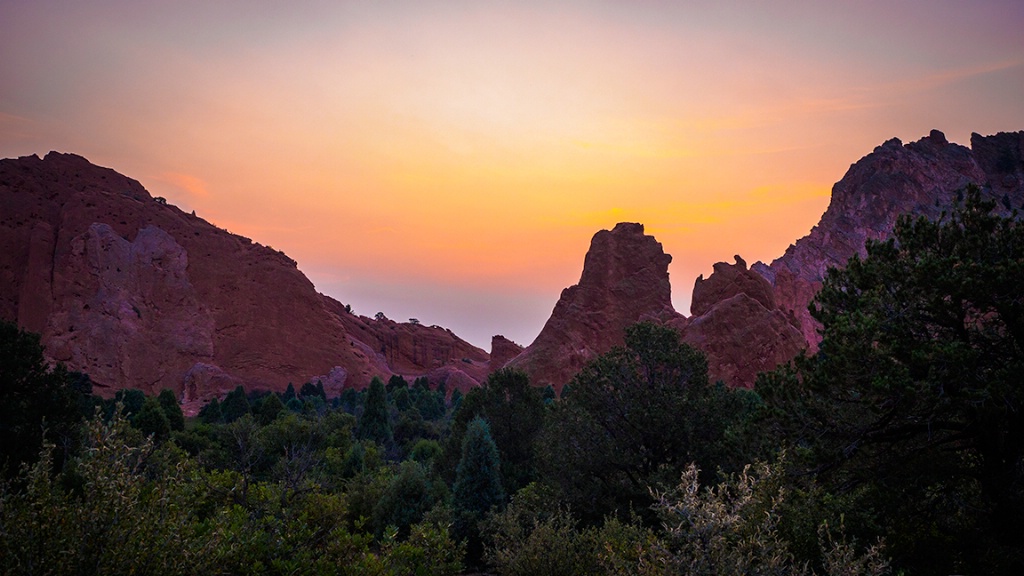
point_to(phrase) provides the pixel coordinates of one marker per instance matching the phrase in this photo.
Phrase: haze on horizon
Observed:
(450, 161)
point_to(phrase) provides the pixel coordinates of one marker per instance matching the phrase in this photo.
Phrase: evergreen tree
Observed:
(131, 400)
(636, 417)
(235, 405)
(375, 423)
(310, 390)
(31, 393)
(289, 393)
(396, 382)
(478, 478)
(268, 409)
(211, 413)
(407, 497)
(151, 420)
(913, 407)
(172, 410)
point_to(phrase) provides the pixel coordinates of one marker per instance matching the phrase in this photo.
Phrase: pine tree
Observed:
(375, 423)
(172, 410)
(235, 405)
(151, 420)
(478, 477)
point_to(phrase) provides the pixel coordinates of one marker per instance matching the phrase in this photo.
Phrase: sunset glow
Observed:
(450, 161)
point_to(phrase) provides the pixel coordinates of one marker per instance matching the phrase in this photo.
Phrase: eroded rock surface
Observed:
(624, 280)
(139, 294)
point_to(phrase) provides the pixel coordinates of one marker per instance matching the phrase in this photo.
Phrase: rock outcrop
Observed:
(624, 280)
(737, 324)
(503, 350)
(751, 320)
(923, 178)
(139, 294)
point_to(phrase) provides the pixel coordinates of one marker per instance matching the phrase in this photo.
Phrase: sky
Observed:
(450, 161)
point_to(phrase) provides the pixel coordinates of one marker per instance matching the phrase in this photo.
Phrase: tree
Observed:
(235, 405)
(152, 421)
(478, 478)
(34, 399)
(289, 393)
(310, 390)
(634, 419)
(269, 408)
(172, 410)
(408, 496)
(477, 488)
(514, 411)
(211, 413)
(375, 422)
(913, 407)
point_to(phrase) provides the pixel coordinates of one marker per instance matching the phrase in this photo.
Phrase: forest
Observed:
(896, 448)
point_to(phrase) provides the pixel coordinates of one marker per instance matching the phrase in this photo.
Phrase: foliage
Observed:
(913, 407)
(171, 409)
(36, 402)
(235, 405)
(478, 478)
(409, 495)
(514, 411)
(152, 421)
(732, 529)
(477, 486)
(634, 418)
(375, 422)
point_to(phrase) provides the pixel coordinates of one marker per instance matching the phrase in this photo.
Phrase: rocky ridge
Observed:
(922, 178)
(139, 294)
(750, 320)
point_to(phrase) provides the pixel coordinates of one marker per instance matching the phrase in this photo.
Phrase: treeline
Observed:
(897, 448)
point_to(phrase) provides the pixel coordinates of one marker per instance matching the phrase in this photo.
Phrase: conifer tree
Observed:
(375, 423)
(172, 410)
(235, 405)
(478, 477)
(151, 420)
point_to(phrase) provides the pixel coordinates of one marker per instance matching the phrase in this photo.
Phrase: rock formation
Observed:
(748, 321)
(139, 294)
(502, 350)
(923, 178)
(624, 280)
(737, 324)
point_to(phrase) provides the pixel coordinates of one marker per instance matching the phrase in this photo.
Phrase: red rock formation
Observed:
(922, 178)
(747, 321)
(139, 294)
(737, 324)
(624, 280)
(410, 349)
(502, 350)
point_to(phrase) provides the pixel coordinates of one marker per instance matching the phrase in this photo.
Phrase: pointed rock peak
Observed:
(623, 259)
(937, 137)
(624, 280)
(727, 281)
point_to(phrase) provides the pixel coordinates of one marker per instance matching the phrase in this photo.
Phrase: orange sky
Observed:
(450, 161)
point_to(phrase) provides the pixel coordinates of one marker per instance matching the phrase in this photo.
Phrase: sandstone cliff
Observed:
(624, 280)
(751, 320)
(923, 178)
(139, 294)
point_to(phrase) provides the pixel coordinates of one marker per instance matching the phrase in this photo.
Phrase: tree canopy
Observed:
(913, 404)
